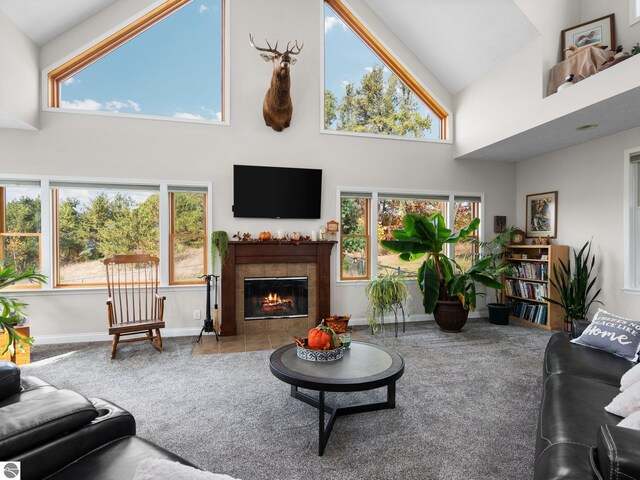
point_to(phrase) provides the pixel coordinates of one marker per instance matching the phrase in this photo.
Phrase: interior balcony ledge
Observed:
(609, 99)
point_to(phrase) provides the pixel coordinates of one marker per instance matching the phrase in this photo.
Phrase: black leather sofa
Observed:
(60, 434)
(576, 438)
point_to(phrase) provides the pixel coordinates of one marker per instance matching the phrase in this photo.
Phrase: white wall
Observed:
(20, 77)
(512, 95)
(626, 35)
(589, 181)
(89, 145)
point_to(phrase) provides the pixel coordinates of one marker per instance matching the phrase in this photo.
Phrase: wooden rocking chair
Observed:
(134, 306)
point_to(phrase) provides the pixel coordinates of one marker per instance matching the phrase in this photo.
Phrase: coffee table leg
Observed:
(391, 395)
(322, 438)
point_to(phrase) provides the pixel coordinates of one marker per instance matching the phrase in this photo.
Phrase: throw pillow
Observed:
(632, 376)
(154, 468)
(625, 402)
(632, 421)
(617, 335)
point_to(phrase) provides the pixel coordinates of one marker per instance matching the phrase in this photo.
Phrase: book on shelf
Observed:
(524, 289)
(529, 311)
(534, 271)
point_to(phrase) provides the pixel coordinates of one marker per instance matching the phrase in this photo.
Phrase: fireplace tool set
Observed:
(211, 324)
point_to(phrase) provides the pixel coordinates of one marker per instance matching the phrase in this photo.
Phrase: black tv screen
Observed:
(276, 192)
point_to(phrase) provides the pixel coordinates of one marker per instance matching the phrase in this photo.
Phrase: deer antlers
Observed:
(295, 51)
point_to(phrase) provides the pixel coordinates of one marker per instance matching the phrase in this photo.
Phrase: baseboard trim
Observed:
(104, 337)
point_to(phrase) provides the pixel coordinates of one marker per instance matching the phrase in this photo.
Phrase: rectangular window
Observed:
(94, 222)
(634, 11)
(377, 213)
(633, 219)
(391, 209)
(355, 236)
(465, 210)
(20, 227)
(188, 235)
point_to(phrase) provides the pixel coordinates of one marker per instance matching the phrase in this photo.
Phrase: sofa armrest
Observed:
(29, 423)
(112, 423)
(577, 327)
(9, 379)
(618, 453)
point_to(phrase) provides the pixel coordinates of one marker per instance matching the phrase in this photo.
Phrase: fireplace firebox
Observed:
(276, 297)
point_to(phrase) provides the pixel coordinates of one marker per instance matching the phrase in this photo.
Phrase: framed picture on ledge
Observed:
(542, 214)
(593, 33)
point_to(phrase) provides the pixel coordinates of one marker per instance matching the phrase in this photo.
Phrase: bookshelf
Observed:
(525, 289)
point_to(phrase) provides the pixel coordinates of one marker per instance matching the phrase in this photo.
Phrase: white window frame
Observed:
(634, 12)
(226, 81)
(48, 221)
(374, 193)
(631, 248)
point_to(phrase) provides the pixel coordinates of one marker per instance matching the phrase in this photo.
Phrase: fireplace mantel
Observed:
(242, 253)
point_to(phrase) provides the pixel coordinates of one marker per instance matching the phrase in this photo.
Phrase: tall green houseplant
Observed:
(11, 310)
(439, 278)
(576, 287)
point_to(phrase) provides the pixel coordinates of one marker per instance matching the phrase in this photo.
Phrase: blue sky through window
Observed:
(173, 69)
(347, 58)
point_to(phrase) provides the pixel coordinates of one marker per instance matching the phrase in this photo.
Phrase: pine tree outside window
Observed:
(367, 90)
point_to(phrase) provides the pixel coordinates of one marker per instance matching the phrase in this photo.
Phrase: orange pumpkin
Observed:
(264, 236)
(319, 340)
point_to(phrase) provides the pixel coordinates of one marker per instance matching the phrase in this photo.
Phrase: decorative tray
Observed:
(319, 355)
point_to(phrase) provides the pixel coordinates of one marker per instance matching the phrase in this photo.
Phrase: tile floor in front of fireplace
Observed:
(249, 342)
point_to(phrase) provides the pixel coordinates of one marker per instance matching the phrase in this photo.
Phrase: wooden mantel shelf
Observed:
(273, 251)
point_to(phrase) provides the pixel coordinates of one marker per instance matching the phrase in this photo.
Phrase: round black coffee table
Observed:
(364, 367)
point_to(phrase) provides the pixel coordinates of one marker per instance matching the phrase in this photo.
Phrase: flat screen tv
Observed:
(276, 192)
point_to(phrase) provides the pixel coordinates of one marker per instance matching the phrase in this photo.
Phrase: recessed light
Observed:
(587, 127)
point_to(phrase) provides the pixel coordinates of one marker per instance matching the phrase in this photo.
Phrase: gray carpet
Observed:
(466, 406)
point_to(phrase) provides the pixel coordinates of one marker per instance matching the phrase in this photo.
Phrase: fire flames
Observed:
(273, 299)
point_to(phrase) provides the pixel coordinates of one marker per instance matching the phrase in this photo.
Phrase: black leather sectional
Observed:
(576, 438)
(60, 434)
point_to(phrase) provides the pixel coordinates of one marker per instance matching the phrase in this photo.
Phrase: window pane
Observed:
(390, 213)
(465, 251)
(188, 258)
(22, 209)
(636, 168)
(189, 213)
(173, 69)
(95, 224)
(21, 251)
(362, 95)
(354, 246)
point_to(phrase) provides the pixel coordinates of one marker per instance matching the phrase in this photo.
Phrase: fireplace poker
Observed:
(208, 321)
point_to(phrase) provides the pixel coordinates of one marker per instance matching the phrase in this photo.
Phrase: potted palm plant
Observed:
(386, 294)
(575, 288)
(11, 310)
(495, 250)
(447, 291)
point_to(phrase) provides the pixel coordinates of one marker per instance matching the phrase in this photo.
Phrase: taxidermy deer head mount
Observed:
(277, 107)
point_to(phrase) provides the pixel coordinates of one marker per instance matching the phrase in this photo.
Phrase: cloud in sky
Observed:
(202, 9)
(330, 22)
(188, 116)
(71, 81)
(95, 106)
(86, 104)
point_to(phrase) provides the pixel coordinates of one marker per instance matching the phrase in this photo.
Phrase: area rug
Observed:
(466, 406)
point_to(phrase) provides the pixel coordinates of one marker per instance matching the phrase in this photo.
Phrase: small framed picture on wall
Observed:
(542, 214)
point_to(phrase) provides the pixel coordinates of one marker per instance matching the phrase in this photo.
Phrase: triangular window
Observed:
(167, 63)
(367, 90)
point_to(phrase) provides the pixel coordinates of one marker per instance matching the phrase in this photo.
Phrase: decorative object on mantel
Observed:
(542, 214)
(245, 237)
(598, 32)
(264, 236)
(323, 232)
(332, 229)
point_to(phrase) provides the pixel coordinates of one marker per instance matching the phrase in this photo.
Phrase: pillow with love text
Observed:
(617, 335)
